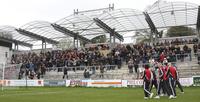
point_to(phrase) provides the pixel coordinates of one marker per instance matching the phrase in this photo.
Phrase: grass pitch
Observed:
(63, 94)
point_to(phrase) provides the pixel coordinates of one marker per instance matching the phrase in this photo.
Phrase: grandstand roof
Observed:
(166, 14)
(163, 14)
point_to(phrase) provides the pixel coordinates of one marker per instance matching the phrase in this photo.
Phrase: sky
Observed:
(19, 12)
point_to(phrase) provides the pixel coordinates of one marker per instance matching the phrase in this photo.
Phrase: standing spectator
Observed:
(101, 71)
(136, 64)
(198, 56)
(195, 48)
(130, 65)
(85, 74)
(185, 48)
(65, 73)
(162, 56)
(43, 70)
(22, 71)
(190, 53)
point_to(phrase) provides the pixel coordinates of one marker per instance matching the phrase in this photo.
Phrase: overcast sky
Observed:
(19, 12)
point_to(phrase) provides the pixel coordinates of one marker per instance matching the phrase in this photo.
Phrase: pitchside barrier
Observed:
(90, 83)
(196, 80)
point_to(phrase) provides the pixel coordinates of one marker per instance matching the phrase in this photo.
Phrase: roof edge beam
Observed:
(150, 23)
(16, 42)
(69, 33)
(108, 29)
(36, 36)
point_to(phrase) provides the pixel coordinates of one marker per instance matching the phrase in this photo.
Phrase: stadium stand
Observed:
(86, 63)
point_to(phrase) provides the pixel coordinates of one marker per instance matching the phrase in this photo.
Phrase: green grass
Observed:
(63, 94)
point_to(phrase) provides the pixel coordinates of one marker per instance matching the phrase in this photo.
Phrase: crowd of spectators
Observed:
(44, 61)
(177, 42)
(133, 55)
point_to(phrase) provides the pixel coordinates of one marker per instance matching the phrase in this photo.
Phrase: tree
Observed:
(180, 31)
(142, 36)
(143, 39)
(82, 44)
(65, 43)
(160, 34)
(99, 39)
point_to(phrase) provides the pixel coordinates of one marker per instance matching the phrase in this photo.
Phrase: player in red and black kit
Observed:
(154, 80)
(177, 80)
(147, 75)
(160, 80)
(172, 74)
(167, 85)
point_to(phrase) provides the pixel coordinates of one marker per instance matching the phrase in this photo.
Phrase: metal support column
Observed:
(110, 41)
(17, 47)
(198, 24)
(77, 43)
(45, 46)
(151, 38)
(114, 40)
(42, 45)
(74, 42)
(156, 38)
(198, 34)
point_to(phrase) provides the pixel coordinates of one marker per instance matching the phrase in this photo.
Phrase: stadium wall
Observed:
(5, 54)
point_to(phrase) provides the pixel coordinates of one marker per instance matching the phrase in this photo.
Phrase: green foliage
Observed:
(65, 43)
(180, 31)
(82, 43)
(143, 39)
(99, 39)
(160, 34)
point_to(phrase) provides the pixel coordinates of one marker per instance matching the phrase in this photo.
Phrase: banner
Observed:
(85, 82)
(54, 82)
(196, 80)
(1, 82)
(75, 82)
(104, 83)
(24, 83)
(134, 82)
(186, 81)
(124, 83)
(67, 83)
(92, 83)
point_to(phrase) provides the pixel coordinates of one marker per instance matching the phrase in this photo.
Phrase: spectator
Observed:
(102, 71)
(195, 47)
(65, 73)
(130, 65)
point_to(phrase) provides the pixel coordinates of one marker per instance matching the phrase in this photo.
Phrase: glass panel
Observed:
(165, 13)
